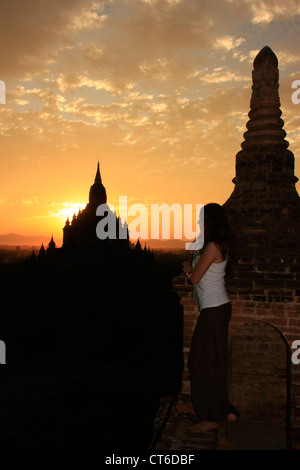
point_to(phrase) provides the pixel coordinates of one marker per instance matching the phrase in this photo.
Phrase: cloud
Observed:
(228, 42)
(287, 58)
(221, 75)
(31, 31)
(92, 18)
(267, 11)
(154, 42)
(30, 201)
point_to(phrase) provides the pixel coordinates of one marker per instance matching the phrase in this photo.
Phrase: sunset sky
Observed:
(157, 90)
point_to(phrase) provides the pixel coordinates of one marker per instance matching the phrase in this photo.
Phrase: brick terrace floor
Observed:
(241, 435)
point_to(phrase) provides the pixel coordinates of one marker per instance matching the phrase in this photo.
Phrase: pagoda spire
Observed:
(97, 193)
(265, 165)
(265, 124)
(263, 209)
(98, 179)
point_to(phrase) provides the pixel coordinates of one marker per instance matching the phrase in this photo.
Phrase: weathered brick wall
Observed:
(190, 316)
(285, 318)
(258, 373)
(263, 379)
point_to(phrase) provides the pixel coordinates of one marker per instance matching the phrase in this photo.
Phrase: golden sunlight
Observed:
(68, 210)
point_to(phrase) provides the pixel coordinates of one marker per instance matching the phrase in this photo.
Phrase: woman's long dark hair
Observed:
(216, 228)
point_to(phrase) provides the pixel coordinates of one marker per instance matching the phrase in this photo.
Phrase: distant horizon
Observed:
(17, 239)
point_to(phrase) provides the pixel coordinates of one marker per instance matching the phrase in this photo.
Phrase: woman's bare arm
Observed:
(210, 255)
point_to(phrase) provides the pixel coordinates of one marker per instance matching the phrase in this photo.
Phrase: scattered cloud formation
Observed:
(157, 90)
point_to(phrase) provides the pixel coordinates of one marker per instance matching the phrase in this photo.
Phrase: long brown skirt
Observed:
(208, 364)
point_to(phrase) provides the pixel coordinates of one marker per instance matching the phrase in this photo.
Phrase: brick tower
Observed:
(264, 208)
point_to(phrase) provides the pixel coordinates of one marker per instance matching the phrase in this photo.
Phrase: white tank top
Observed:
(210, 289)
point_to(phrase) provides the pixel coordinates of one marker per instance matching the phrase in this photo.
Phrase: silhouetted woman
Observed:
(208, 356)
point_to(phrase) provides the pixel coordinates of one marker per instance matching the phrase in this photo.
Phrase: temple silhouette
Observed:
(80, 232)
(80, 236)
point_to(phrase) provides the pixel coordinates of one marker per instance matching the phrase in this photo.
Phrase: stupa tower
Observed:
(264, 208)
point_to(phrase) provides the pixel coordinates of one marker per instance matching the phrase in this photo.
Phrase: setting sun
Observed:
(68, 210)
